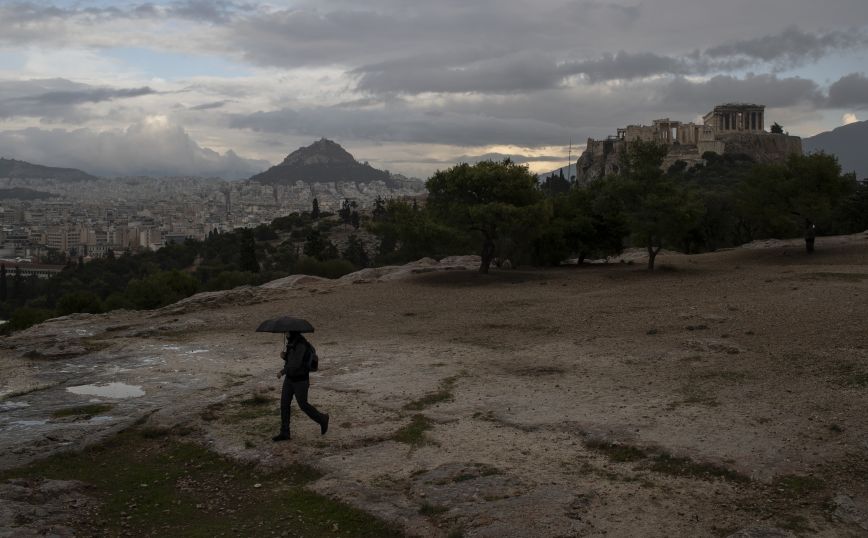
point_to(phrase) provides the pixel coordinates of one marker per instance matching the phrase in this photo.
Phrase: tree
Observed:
(777, 128)
(378, 213)
(555, 184)
(802, 193)
(355, 252)
(79, 301)
(346, 210)
(658, 208)
(314, 212)
(490, 199)
(355, 220)
(319, 247)
(247, 257)
(17, 283)
(3, 290)
(408, 234)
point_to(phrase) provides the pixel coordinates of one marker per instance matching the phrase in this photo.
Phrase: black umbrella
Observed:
(285, 324)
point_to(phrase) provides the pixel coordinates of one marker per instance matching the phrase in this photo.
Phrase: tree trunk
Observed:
(487, 255)
(582, 258)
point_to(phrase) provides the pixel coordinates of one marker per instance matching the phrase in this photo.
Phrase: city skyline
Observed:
(229, 88)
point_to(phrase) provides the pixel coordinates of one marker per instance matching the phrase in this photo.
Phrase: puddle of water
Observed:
(109, 390)
(10, 406)
(26, 423)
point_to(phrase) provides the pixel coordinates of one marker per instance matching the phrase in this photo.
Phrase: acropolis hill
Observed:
(732, 128)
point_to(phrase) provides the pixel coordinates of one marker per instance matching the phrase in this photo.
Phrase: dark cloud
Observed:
(215, 11)
(404, 125)
(212, 105)
(141, 149)
(57, 98)
(626, 66)
(92, 95)
(792, 46)
(769, 90)
(849, 91)
(521, 72)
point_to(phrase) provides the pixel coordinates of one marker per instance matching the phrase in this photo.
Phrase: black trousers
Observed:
(299, 390)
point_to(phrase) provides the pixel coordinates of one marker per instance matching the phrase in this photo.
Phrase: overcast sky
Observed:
(225, 88)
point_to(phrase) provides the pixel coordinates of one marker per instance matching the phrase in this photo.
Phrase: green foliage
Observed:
(806, 191)
(160, 289)
(407, 234)
(134, 478)
(318, 246)
(776, 128)
(334, 268)
(226, 280)
(248, 261)
(490, 199)
(658, 208)
(586, 221)
(355, 252)
(555, 184)
(26, 316)
(79, 301)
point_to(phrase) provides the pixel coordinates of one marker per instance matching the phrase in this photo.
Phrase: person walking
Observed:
(297, 356)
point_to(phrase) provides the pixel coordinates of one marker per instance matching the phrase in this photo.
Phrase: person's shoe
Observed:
(324, 425)
(280, 437)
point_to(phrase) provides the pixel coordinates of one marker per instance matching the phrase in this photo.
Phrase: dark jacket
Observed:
(295, 365)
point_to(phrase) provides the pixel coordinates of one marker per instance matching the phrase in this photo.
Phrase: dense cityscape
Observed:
(89, 219)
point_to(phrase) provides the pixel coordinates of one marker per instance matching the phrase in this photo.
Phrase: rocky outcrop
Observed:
(763, 148)
(600, 159)
(604, 157)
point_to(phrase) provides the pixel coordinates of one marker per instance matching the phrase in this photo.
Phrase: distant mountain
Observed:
(324, 161)
(10, 168)
(849, 143)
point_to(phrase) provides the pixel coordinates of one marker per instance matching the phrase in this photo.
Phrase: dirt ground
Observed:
(723, 395)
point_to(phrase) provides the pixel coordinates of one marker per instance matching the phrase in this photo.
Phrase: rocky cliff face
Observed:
(600, 158)
(604, 157)
(763, 148)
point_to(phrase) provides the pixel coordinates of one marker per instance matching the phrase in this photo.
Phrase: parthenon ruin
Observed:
(727, 128)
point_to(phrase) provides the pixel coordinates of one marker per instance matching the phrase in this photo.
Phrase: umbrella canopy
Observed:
(285, 324)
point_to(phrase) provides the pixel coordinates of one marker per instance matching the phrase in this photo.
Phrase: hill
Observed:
(673, 414)
(324, 161)
(848, 143)
(10, 168)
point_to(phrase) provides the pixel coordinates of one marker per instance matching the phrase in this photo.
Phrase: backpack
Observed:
(311, 359)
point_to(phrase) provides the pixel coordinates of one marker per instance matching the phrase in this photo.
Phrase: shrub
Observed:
(327, 269)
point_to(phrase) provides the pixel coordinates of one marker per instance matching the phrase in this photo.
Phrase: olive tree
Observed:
(492, 199)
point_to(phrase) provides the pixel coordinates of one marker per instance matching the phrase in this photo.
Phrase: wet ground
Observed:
(724, 393)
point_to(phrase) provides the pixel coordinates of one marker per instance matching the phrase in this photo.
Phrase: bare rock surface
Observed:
(724, 393)
(41, 507)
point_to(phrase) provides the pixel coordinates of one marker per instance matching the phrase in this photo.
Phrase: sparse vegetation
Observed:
(149, 486)
(82, 410)
(428, 509)
(444, 394)
(414, 433)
